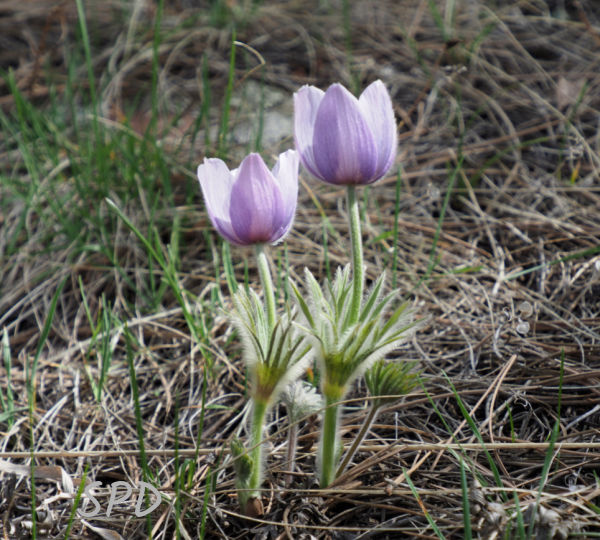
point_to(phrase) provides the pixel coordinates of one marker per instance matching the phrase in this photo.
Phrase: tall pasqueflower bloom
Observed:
(254, 206)
(251, 205)
(344, 140)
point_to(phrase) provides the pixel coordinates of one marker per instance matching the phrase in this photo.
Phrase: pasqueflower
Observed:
(251, 205)
(344, 140)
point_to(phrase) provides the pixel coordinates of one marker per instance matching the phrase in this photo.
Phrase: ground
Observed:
(119, 362)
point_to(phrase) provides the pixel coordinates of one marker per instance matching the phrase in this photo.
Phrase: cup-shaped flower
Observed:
(344, 140)
(250, 204)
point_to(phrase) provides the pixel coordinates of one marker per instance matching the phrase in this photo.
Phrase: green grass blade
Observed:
(260, 121)
(147, 475)
(207, 493)
(105, 349)
(468, 533)
(347, 26)
(473, 469)
(549, 458)
(30, 374)
(438, 19)
(228, 268)
(86, 305)
(519, 514)
(396, 229)
(8, 404)
(178, 470)
(589, 252)
(206, 102)
(326, 252)
(416, 495)
(438, 230)
(155, 69)
(76, 501)
(102, 172)
(88, 55)
(201, 420)
(224, 127)
(30, 381)
(477, 434)
(197, 330)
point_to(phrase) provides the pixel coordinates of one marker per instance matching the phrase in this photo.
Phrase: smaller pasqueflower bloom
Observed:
(344, 140)
(251, 205)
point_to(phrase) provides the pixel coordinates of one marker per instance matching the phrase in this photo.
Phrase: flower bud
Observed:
(344, 140)
(251, 205)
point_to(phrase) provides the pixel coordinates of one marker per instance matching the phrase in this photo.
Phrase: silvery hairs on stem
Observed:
(275, 354)
(346, 342)
(345, 350)
(301, 400)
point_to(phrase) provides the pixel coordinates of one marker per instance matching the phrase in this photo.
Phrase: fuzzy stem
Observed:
(291, 452)
(267, 283)
(329, 439)
(357, 255)
(259, 411)
(358, 440)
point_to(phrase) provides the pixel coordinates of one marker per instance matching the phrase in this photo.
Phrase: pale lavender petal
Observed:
(377, 110)
(256, 205)
(306, 105)
(216, 183)
(344, 148)
(286, 173)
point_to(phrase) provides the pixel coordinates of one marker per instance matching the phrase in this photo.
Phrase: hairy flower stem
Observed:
(328, 442)
(291, 452)
(259, 410)
(357, 254)
(267, 283)
(358, 440)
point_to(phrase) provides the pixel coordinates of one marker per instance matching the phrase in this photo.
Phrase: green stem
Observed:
(329, 439)
(357, 255)
(259, 411)
(267, 283)
(358, 440)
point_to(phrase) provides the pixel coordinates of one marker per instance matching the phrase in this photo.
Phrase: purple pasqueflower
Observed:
(343, 140)
(250, 204)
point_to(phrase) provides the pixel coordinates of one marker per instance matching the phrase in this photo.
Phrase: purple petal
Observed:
(216, 183)
(306, 105)
(377, 110)
(344, 148)
(286, 173)
(256, 209)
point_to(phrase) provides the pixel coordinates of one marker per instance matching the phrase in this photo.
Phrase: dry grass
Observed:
(509, 98)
